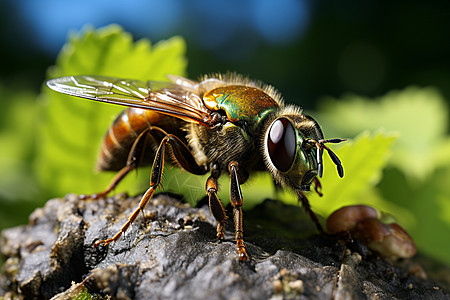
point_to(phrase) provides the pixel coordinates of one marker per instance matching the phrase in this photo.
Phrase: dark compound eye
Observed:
(282, 144)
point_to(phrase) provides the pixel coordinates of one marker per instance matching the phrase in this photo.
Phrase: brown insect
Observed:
(224, 123)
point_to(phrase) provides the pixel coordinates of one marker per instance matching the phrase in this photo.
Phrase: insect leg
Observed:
(134, 158)
(215, 205)
(178, 148)
(307, 208)
(155, 180)
(318, 187)
(237, 201)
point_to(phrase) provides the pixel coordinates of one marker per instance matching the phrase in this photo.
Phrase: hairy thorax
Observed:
(222, 144)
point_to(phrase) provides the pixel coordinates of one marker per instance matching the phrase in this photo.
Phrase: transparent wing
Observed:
(164, 97)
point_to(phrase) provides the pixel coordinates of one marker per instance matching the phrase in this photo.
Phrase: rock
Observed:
(171, 252)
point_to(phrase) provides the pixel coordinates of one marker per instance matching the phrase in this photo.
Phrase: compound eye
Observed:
(282, 143)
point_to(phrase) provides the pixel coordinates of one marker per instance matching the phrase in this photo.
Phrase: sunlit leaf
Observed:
(428, 204)
(418, 115)
(71, 129)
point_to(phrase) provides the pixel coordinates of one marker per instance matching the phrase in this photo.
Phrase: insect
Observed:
(224, 123)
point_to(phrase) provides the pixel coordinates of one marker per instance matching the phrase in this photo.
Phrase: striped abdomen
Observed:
(121, 135)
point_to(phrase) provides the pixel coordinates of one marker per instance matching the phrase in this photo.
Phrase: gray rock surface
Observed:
(170, 252)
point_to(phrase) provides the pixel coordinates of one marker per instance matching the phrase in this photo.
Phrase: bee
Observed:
(224, 123)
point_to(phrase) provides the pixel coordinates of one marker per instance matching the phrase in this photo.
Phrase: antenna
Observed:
(320, 146)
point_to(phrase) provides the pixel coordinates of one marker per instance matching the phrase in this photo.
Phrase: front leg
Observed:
(237, 201)
(309, 211)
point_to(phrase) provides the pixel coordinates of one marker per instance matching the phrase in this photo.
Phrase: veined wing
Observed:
(164, 97)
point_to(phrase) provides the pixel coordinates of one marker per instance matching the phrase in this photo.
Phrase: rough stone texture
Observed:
(170, 252)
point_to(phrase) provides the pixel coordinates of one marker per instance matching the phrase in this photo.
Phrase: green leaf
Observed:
(418, 115)
(427, 204)
(71, 129)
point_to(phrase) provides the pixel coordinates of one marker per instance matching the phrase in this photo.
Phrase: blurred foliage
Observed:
(396, 159)
(19, 192)
(418, 115)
